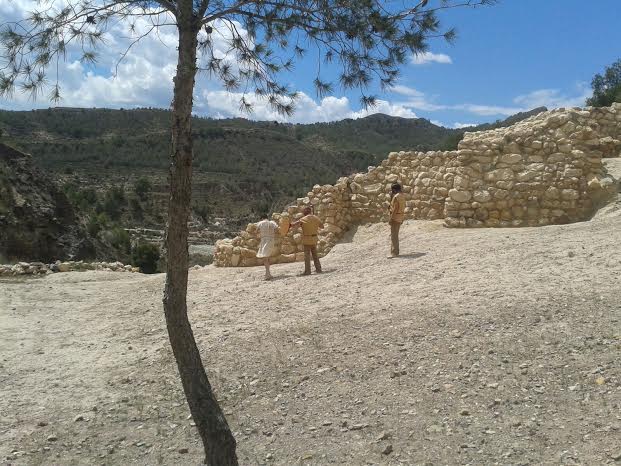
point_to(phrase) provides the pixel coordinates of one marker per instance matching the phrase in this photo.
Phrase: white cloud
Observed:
(429, 57)
(419, 101)
(554, 98)
(458, 125)
(406, 91)
(487, 110)
(438, 123)
(224, 104)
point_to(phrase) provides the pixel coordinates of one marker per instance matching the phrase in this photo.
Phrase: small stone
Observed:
(387, 449)
(78, 418)
(492, 385)
(41, 423)
(384, 436)
(616, 456)
(600, 381)
(52, 438)
(183, 450)
(434, 428)
(464, 412)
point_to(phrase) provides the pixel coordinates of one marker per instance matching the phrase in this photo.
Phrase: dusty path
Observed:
(477, 347)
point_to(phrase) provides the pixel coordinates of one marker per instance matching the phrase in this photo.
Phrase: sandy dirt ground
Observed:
(495, 346)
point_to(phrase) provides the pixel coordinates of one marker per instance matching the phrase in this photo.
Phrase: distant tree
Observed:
(368, 39)
(113, 202)
(606, 87)
(145, 256)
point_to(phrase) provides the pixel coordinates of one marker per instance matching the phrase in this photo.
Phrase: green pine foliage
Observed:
(606, 86)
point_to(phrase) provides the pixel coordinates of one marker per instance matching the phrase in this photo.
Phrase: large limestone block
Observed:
(527, 175)
(501, 174)
(461, 182)
(572, 172)
(440, 192)
(482, 196)
(355, 187)
(374, 188)
(460, 196)
(510, 158)
(569, 194)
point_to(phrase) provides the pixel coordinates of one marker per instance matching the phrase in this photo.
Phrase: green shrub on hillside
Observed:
(114, 200)
(119, 239)
(97, 223)
(146, 256)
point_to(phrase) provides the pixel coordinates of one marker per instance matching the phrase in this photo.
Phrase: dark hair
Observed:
(396, 187)
(264, 215)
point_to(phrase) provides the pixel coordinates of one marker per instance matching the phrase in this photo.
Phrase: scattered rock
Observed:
(387, 449)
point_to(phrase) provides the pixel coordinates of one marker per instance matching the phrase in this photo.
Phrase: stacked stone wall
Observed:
(544, 170)
(331, 203)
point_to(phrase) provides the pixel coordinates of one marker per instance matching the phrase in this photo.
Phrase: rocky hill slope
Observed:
(37, 221)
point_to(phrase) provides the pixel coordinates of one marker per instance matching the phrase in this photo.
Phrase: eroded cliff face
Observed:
(37, 222)
(544, 170)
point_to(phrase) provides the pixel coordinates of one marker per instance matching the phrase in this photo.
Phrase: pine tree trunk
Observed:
(217, 438)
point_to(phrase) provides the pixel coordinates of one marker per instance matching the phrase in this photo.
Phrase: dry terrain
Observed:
(494, 346)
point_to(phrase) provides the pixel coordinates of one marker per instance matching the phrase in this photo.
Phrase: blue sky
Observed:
(513, 56)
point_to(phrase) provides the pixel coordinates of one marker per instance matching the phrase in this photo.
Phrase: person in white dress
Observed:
(268, 230)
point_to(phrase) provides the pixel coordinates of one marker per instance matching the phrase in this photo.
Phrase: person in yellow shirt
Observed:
(310, 229)
(397, 214)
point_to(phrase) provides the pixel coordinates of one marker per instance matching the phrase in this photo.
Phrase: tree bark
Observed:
(218, 441)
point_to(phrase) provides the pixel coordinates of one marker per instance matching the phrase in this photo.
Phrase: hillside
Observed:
(241, 167)
(476, 347)
(37, 221)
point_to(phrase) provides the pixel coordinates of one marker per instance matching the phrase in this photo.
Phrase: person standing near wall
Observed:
(268, 229)
(397, 214)
(310, 230)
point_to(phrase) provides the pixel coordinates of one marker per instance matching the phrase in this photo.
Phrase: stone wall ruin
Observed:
(544, 170)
